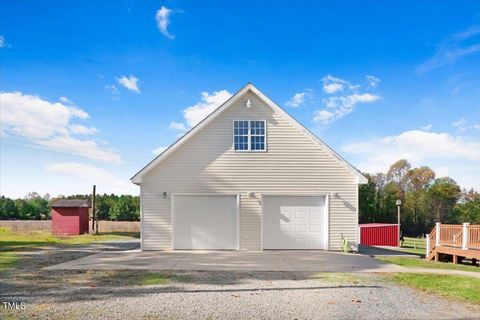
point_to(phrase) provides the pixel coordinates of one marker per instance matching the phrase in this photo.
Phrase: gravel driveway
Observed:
(231, 295)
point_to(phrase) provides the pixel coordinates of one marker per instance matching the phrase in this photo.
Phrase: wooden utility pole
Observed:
(399, 204)
(94, 212)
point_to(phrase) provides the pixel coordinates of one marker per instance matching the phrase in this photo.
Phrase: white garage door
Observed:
(205, 222)
(294, 222)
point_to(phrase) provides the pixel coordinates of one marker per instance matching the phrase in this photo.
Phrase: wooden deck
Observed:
(456, 241)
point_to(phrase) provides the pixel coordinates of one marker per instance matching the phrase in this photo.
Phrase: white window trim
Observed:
(249, 136)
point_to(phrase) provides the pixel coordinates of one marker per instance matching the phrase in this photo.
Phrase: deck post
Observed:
(437, 233)
(427, 246)
(465, 236)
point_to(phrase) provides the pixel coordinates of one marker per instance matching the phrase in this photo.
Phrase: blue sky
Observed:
(91, 89)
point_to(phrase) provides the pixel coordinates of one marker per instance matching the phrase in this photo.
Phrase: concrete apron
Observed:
(272, 260)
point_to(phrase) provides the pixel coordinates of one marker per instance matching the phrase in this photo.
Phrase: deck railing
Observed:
(474, 237)
(451, 235)
(463, 236)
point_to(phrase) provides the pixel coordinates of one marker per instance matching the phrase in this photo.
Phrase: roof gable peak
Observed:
(137, 178)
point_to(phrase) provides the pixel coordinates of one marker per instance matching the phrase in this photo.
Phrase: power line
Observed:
(42, 149)
(37, 146)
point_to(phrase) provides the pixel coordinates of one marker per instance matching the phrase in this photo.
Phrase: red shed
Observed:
(70, 217)
(379, 234)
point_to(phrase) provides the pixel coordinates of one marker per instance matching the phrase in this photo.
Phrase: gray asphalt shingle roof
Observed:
(71, 203)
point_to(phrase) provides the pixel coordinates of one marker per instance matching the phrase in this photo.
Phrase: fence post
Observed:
(437, 233)
(465, 236)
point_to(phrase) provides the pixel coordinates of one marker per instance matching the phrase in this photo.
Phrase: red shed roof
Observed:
(71, 203)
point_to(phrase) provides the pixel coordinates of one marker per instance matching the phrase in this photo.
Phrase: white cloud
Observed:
(343, 97)
(459, 82)
(437, 150)
(105, 180)
(130, 82)
(2, 42)
(209, 102)
(460, 124)
(323, 116)
(66, 100)
(196, 113)
(340, 106)
(49, 125)
(163, 20)
(350, 100)
(333, 85)
(373, 81)
(113, 89)
(452, 48)
(427, 127)
(417, 145)
(159, 150)
(79, 129)
(178, 126)
(297, 100)
(35, 118)
(85, 148)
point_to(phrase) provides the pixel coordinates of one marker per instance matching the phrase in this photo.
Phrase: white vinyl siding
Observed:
(207, 163)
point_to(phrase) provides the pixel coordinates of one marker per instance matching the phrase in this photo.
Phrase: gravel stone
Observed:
(253, 295)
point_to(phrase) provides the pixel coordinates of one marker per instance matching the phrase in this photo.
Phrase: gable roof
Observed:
(137, 178)
(71, 203)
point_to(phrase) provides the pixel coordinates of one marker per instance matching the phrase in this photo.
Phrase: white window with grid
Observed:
(249, 135)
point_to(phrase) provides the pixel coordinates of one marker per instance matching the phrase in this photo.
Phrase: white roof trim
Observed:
(137, 178)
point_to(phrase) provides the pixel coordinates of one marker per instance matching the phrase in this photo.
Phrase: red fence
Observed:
(379, 234)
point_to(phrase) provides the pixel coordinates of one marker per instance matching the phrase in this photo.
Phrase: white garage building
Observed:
(248, 177)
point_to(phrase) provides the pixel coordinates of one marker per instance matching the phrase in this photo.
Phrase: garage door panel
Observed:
(293, 222)
(300, 228)
(300, 214)
(205, 222)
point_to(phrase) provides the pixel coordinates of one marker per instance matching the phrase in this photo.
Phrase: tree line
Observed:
(425, 199)
(35, 207)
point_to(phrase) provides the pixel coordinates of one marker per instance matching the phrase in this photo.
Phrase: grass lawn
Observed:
(414, 245)
(420, 263)
(8, 260)
(452, 286)
(343, 278)
(13, 243)
(118, 278)
(151, 279)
